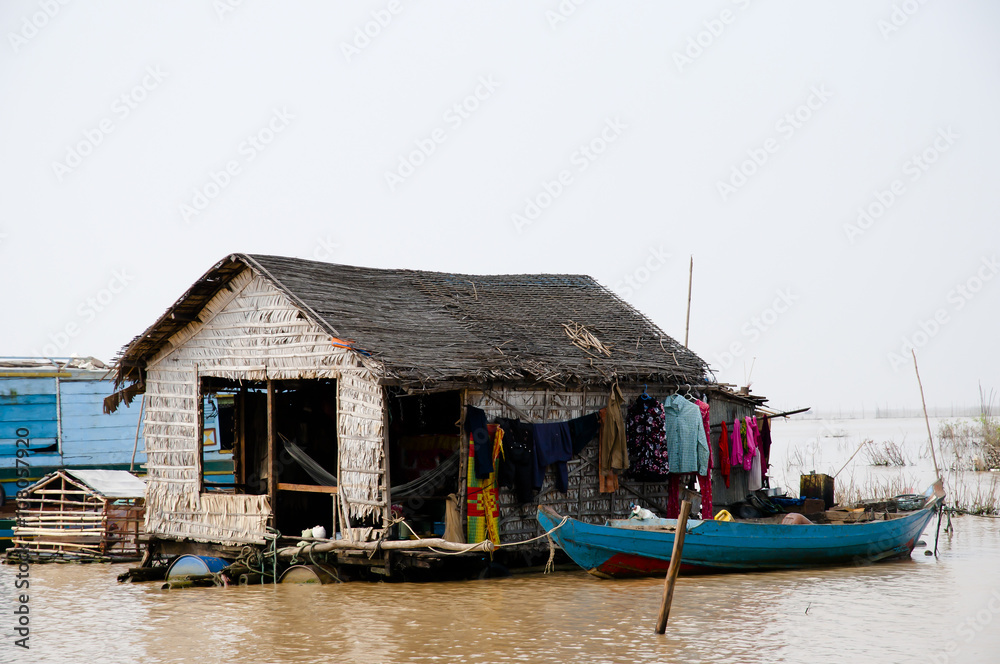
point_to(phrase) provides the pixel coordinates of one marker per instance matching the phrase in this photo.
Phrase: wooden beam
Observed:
(272, 455)
(306, 488)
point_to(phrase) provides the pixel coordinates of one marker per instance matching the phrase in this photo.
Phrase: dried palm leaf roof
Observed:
(429, 328)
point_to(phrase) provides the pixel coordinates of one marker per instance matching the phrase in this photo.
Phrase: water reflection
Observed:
(907, 610)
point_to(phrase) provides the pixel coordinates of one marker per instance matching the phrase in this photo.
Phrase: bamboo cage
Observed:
(82, 515)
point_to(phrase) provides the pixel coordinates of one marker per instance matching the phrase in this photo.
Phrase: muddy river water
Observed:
(924, 609)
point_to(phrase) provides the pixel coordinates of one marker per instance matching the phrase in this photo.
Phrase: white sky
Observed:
(84, 208)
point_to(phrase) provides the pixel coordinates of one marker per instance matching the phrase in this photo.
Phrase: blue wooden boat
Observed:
(626, 548)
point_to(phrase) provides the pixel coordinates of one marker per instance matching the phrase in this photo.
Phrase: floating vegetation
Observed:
(888, 453)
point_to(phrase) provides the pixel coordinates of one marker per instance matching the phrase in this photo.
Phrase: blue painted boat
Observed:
(626, 548)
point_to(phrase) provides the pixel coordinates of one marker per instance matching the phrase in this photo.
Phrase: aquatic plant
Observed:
(888, 454)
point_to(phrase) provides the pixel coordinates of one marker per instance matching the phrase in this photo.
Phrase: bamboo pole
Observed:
(927, 420)
(138, 426)
(674, 569)
(687, 321)
(387, 545)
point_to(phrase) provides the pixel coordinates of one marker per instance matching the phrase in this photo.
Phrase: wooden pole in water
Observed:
(927, 420)
(687, 320)
(674, 569)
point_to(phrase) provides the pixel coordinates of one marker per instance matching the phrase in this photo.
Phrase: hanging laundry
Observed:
(737, 445)
(705, 489)
(765, 443)
(582, 430)
(606, 478)
(724, 454)
(756, 480)
(614, 451)
(475, 426)
(673, 496)
(685, 436)
(705, 481)
(751, 442)
(481, 502)
(516, 468)
(704, 408)
(647, 447)
(553, 446)
(745, 446)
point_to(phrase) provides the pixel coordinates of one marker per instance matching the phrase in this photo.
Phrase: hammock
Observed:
(323, 476)
(316, 471)
(427, 480)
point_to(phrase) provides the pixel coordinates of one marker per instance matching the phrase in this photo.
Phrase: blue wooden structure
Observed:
(627, 548)
(52, 417)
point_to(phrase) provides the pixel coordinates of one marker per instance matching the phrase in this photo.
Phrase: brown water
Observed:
(913, 610)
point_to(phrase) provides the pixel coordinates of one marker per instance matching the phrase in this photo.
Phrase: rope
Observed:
(545, 534)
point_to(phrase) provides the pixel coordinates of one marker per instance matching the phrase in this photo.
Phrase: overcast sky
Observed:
(831, 166)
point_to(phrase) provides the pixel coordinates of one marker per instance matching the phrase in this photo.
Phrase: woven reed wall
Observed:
(583, 500)
(248, 331)
(361, 455)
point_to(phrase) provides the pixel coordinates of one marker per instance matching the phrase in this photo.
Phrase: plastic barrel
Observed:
(189, 565)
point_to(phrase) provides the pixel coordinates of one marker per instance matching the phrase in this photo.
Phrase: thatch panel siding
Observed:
(247, 331)
(361, 431)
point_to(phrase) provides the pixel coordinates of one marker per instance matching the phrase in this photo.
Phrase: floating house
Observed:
(350, 386)
(80, 515)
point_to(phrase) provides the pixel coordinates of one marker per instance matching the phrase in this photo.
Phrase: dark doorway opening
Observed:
(424, 441)
(304, 415)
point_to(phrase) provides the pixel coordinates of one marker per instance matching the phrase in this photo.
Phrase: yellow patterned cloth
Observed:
(483, 504)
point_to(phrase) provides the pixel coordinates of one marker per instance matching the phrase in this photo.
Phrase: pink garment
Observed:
(708, 430)
(746, 436)
(736, 458)
(705, 481)
(753, 436)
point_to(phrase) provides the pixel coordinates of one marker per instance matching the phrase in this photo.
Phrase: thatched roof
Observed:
(430, 328)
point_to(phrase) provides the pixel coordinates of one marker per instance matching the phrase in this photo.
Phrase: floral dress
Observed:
(646, 439)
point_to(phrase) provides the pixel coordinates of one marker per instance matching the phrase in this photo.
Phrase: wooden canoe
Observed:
(625, 548)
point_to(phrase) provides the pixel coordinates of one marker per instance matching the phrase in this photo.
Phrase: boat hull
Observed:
(727, 546)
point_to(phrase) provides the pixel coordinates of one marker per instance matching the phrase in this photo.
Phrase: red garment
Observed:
(705, 487)
(673, 496)
(703, 407)
(724, 454)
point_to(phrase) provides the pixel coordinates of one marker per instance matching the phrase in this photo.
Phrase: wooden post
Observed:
(930, 440)
(674, 569)
(241, 436)
(272, 455)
